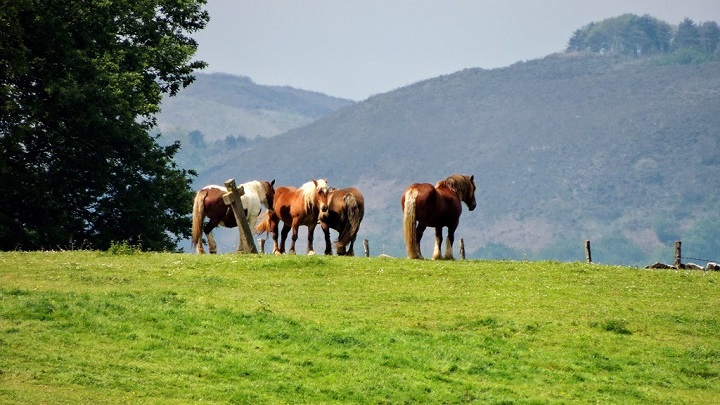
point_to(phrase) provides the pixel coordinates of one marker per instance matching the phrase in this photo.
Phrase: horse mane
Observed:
(459, 183)
(309, 190)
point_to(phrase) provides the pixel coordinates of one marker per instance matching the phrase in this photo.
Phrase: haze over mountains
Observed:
(616, 149)
(222, 105)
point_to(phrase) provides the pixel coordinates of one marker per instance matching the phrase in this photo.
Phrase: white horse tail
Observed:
(198, 217)
(411, 245)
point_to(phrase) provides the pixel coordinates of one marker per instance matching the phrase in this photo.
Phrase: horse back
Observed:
(289, 203)
(435, 206)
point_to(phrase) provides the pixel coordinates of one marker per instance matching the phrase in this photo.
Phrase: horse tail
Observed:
(198, 216)
(263, 225)
(411, 245)
(352, 219)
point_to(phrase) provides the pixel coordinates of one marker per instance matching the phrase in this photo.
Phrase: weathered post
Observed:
(462, 249)
(232, 198)
(261, 242)
(588, 255)
(366, 246)
(678, 255)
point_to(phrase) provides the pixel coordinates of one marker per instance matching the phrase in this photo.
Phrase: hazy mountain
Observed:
(618, 150)
(221, 105)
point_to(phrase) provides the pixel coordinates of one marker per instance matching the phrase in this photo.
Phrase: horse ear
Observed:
(472, 178)
(272, 183)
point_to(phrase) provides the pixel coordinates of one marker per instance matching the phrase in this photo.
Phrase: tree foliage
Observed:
(633, 35)
(80, 83)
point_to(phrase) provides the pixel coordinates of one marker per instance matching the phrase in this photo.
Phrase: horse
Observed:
(436, 207)
(295, 207)
(346, 209)
(209, 202)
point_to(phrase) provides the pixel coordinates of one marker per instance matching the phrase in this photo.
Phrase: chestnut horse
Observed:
(346, 209)
(295, 207)
(209, 202)
(435, 207)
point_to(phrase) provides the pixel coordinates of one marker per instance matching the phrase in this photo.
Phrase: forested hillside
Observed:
(575, 146)
(618, 148)
(219, 106)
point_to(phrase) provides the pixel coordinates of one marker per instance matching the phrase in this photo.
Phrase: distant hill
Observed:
(221, 105)
(619, 150)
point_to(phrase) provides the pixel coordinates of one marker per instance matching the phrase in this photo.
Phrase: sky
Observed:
(356, 49)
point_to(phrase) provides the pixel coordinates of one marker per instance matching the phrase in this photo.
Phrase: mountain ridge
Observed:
(564, 148)
(221, 105)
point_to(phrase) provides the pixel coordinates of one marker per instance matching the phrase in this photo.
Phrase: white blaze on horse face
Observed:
(322, 191)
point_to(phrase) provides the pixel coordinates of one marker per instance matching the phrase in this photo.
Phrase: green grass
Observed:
(91, 327)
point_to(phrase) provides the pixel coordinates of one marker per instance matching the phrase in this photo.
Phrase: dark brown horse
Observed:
(209, 202)
(295, 207)
(436, 207)
(346, 209)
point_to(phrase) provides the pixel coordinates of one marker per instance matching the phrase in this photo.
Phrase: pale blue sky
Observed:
(354, 49)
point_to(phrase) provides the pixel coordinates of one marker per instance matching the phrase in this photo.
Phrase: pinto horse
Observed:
(436, 207)
(295, 207)
(209, 202)
(346, 209)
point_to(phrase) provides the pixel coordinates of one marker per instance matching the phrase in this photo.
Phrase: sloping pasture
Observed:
(91, 327)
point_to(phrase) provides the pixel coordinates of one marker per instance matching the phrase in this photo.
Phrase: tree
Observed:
(80, 82)
(709, 37)
(687, 36)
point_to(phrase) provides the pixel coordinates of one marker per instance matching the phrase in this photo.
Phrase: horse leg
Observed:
(351, 251)
(210, 238)
(328, 245)
(211, 243)
(341, 250)
(311, 236)
(283, 238)
(420, 230)
(293, 238)
(274, 231)
(449, 243)
(438, 243)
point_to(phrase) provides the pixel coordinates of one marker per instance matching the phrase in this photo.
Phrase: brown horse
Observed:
(209, 202)
(435, 207)
(346, 209)
(295, 207)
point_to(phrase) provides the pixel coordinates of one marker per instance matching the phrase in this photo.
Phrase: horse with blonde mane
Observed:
(209, 202)
(295, 207)
(435, 206)
(346, 208)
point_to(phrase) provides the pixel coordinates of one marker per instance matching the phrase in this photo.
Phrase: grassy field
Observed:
(91, 327)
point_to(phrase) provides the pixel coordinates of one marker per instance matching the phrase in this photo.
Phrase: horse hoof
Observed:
(311, 253)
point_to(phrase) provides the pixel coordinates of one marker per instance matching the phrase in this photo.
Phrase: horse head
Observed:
(469, 197)
(269, 195)
(321, 195)
(464, 187)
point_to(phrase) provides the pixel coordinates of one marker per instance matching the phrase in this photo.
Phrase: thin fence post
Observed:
(678, 254)
(366, 246)
(588, 254)
(261, 242)
(462, 249)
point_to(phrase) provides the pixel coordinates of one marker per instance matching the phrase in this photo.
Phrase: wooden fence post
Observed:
(232, 198)
(678, 254)
(366, 246)
(462, 249)
(261, 242)
(588, 255)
